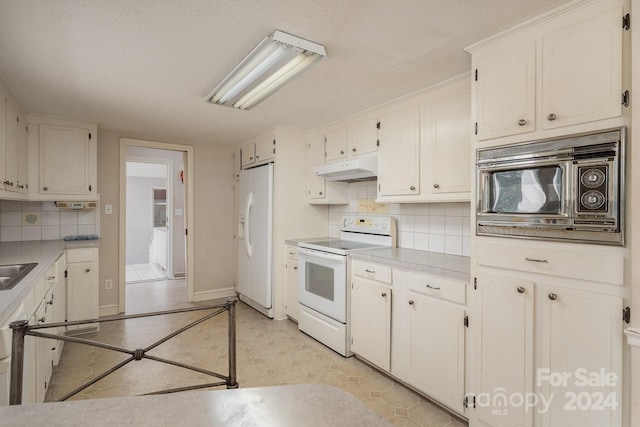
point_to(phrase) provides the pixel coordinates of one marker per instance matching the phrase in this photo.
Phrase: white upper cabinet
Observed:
(553, 76)
(362, 136)
(315, 157)
(335, 144)
(582, 70)
(13, 169)
(399, 152)
(23, 155)
(505, 90)
(265, 148)
(248, 154)
(64, 160)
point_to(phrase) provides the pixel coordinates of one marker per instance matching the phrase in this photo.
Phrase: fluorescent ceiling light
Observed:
(275, 61)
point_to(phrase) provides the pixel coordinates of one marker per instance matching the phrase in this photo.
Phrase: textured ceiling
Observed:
(145, 66)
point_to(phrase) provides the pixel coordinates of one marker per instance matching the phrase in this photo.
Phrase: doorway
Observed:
(156, 208)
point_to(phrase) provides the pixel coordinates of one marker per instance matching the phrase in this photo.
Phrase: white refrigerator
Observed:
(255, 212)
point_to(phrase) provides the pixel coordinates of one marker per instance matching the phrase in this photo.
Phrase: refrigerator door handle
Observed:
(247, 224)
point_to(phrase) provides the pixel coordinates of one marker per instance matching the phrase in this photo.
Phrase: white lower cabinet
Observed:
(371, 321)
(291, 282)
(559, 347)
(412, 325)
(82, 286)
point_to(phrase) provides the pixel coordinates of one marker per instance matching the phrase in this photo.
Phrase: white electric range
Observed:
(322, 277)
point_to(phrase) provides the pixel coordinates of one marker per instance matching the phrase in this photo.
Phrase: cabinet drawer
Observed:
(578, 264)
(437, 286)
(292, 252)
(80, 255)
(370, 270)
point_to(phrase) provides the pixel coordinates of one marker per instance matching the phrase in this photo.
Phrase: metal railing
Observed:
(21, 328)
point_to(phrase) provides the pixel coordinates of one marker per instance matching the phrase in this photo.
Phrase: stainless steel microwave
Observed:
(571, 188)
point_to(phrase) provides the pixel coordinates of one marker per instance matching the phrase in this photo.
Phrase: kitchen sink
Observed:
(10, 275)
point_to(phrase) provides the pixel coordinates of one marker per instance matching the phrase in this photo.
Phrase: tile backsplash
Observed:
(434, 227)
(44, 221)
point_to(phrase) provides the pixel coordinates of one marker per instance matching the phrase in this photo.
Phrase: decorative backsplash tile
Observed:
(44, 221)
(434, 227)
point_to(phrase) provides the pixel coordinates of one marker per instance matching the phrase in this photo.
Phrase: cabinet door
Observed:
(315, 157)
(371, 321)
(362, 137)
(582, 337)
(3, 135)
(11, 149)
(450, 141)
(291, 285)
(503, 320)
(265, 149)
(582, 71)
(23, 161)
(237, 165)
(436, 348)
(64, 160)
(336, 144)
(505, 90)
(399, 153)
(82, 292)
(248, 153)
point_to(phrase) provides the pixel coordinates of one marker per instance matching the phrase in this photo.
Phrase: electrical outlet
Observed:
(108, 284)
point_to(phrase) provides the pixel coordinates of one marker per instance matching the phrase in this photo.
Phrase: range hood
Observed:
(76, 206)
(352, 170)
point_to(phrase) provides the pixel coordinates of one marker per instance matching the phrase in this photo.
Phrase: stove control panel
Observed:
(368, 224)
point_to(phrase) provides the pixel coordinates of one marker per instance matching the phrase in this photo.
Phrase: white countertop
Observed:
(454, 266)
(281, 406)
(45, 253)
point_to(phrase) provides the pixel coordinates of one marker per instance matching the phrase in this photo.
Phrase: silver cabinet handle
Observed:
(87, 270)
(522, 122)
(51, 277)
(411, 302)
(370, 271)
(341, 151)
(295, 268)
(412, 188)
(6, 182)
(551, 117)
(435, 288)
(436, 185)
(544, 261)
(384, 294)
(520, 290)
(45, 188)
(354, 149)
(42, 319)
(553, 297)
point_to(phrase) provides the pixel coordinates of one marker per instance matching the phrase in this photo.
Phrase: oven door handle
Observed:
(321, 255)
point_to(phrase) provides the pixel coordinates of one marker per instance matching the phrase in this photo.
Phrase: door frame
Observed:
(188, 214)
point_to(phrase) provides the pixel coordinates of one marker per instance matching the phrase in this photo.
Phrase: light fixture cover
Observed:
(276, 60)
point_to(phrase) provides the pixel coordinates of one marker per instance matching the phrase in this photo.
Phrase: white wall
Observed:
(44, 221)
(434, 227)
(139, 217)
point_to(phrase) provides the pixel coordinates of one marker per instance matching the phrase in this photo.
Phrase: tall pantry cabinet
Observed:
(547, 318)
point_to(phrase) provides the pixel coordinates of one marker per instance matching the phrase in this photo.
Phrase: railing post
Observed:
(19, 328)
(231, 303)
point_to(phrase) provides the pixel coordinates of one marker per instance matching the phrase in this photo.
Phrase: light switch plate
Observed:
(178, 212)
(108, 209)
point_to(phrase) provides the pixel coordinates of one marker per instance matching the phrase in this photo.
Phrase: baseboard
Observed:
(179, 275)
(108, 310)
(215, 294)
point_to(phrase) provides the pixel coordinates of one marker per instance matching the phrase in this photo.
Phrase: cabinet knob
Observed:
(553, 297)
(45, 188)
(6, 182)
(384, 294)
(20, 186)
(353, 149)
(50, 302)
(551, 117)
(42, 319)
(436, 185)
(413, 187)
(295, 268)
(411, 302)
(522, 122)
(320, 193)
(87, 270)
(342, 151)
(11, 183)
(520, 290)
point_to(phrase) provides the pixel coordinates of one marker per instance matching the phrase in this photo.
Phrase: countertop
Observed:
(290, 405)
(454, 266)
(45, 253)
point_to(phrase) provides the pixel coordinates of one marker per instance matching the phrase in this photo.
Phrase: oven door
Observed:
(322, 283)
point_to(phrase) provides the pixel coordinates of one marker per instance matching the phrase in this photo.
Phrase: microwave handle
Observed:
(483, 189)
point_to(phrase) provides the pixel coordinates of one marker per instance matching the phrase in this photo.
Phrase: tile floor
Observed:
(269, 353)
(144, 273)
